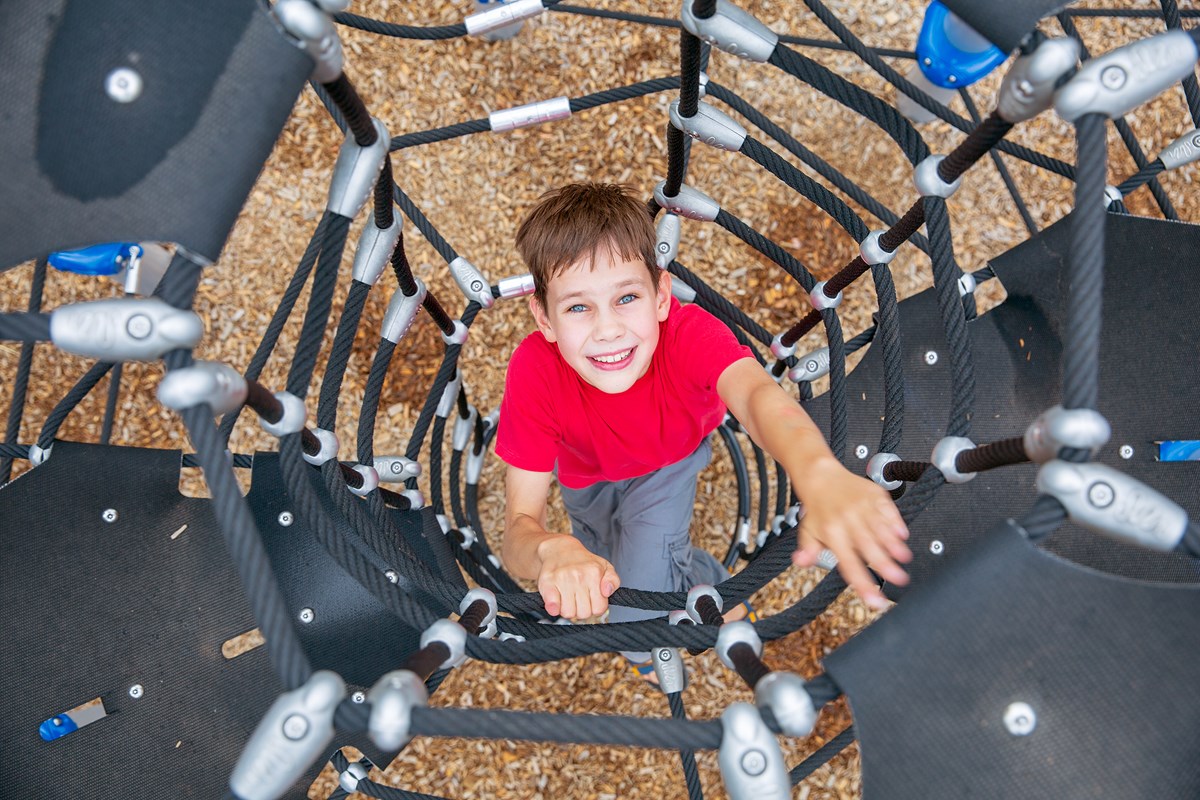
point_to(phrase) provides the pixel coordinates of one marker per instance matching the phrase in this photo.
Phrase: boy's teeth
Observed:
(613, 359)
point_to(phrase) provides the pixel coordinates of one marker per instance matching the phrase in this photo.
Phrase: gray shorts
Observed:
(642, 527)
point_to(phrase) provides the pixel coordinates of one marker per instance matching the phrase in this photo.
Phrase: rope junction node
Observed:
(411, 559)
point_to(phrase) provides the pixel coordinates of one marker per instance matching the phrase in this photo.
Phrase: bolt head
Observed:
(136, 691)
(286, 518)
(1126, 451)
(754, 762)
(1101, 495)
(359, 697)
(861, 451)
(931, 357)
(109, 515)
(1020, 719)
(307, 615)
(936, 547)
(1113, 78)
(295, 727)
(392, 576)
(123, 85)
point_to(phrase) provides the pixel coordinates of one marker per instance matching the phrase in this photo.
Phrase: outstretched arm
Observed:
(851, 515)
(573, 581)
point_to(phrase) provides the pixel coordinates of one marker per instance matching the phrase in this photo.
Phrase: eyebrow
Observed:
(622, 285)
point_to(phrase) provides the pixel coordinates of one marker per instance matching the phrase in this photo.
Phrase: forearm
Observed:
(778, 425)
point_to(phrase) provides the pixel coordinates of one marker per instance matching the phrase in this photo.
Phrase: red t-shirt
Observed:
(549, 414)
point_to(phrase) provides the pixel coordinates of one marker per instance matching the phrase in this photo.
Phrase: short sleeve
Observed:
(527, 436)
(704, 346)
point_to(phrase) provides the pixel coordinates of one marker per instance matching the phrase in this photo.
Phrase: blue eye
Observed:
(625, 299)
(576, 309)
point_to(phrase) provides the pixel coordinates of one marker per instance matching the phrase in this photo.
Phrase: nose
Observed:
(608, 326)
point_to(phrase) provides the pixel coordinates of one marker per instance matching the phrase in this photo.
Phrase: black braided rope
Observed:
(822, 756)
(989, 456)
(339, 356)
(1141, 177)
(70, 401)
(316, 317)
(400, 31)
(424, 226)
(687, 757)
(354, 110)
(25, 326)
(1191, 89)
(1001, 168)
(20, 389)
(370, 402)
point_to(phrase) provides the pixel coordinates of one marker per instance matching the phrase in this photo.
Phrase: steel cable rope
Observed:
(1001, 168)
(1124, 130)
(819, 165)
(904, 85)
(235, 522)
(822, 755)
(1191, 88)
(687, 757)
(577, 104)
(25, 326)
(321, 238)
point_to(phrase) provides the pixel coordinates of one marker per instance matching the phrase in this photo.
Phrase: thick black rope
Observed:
(1085, 268)
(339, 356)
(316, 317)
(1001, 168)
(687, 757)
(370, 402)
(16, 408)
(1191, 88)
(354, 111)
(25, 326)
(821, 756)
(1124, 131)
(400, 31)
(904, 85)
(818, 164)
(424, 226)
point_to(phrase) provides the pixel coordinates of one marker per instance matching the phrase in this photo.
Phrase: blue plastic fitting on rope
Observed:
(950, 52)
(99, 259)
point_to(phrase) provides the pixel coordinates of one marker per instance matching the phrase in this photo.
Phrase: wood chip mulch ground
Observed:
(475, 190)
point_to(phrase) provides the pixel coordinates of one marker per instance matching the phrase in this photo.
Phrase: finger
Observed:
(860, 580)
(891, 517)
(808, 549)
(569, 606)
(596, 602)
(610, 581)
(881, 561)
(552, 600)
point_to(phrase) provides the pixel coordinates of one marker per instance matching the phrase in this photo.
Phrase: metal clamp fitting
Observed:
(460, 333)
(505, 636)
(781, 350)
(789, 701)
(474, 468)
(416, 500)
(469, 537)
(826, 560)
(355, 172)
(873, 252)
(516, 286)
(351, 776)
(1110, 502)
(1183, 150)
(329, 447)
(743, 533)
(1121, 80)
(695, 593)
(929, 183)
(392, 699)
(449, 396)
(681, 291)
(476, 594)
(690, 203)
(38, 455)
(944, 454)
(375, 248)
(1056, 428)
(394, 469)
(401, 311)
(316, 35)
(703, 84)
(732, 30)
(709, 125)
(1028, 88)
(463, 428)
(471, 282)
(552, 110)
(1112, 195)
(502, 16)
(219, 385)
(450, 634)
(292, 419)
(370, 480)
(666, 241)
(148, 262)
(875, 470)
(295, 730)
(967, 284)
(750, 760)
(740, 632)
(668, 666)
(811, 367)
(821, 301)
(490, 630)
(679, 616)
(124, 328)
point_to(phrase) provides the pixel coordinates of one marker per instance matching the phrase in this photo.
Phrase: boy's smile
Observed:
(604, 314)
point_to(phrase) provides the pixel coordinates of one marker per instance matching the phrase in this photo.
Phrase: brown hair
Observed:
(571, 223)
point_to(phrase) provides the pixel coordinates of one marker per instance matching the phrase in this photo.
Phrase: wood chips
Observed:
(475, 190)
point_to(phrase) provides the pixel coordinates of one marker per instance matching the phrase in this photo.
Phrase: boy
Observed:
(617, 392)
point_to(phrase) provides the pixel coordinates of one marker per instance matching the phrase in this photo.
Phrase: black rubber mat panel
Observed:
(1005, 24)
(1109, 666)
(172, 163)
(93, 608)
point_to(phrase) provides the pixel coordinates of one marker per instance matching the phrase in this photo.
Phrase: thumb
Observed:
(609, 581)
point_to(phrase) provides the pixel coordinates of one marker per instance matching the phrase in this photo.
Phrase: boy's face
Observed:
(604, 318)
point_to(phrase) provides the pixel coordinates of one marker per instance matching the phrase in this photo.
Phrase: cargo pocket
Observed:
(679, 554)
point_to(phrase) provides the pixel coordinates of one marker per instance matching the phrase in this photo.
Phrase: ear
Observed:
(542, 319)
(662, 298)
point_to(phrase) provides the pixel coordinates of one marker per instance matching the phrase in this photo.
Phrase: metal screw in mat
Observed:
(109, 515)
